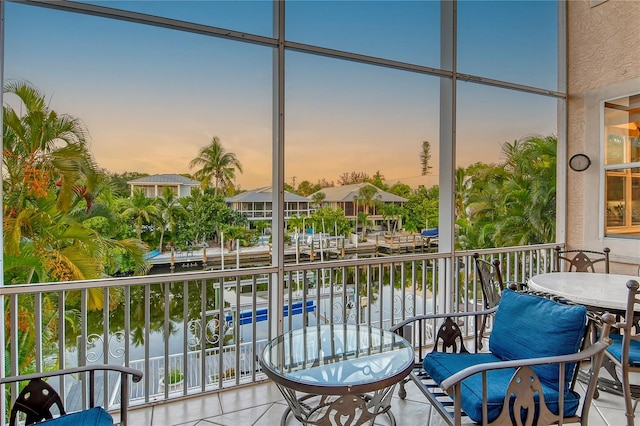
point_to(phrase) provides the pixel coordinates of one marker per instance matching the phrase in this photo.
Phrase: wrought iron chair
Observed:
(581, 260)
(492, 286)
(624, 353)
(516, 379)
(39, 401)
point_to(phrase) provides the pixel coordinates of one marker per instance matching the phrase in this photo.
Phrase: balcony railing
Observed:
(211, 325)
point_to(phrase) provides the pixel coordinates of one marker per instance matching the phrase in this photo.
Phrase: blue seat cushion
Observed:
(441, 365)
(95, 416)
(615, 349)
(529, 326)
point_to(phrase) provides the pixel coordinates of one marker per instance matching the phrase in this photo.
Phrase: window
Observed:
(622, 166)
(397, 93)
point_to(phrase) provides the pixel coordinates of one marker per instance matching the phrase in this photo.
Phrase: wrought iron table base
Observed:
(343, 410)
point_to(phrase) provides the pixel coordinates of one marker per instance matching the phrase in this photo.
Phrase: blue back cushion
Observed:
(528, 326)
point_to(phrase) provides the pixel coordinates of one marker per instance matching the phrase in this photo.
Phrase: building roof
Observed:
(346, 193)
(164, 179)
(265, 195)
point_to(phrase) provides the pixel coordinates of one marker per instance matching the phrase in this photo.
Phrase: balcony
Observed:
(211, 325)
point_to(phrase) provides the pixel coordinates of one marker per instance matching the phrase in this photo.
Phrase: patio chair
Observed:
(491, 285)
(624, 353)
(39, 401)
(527, 378)
(581, 260)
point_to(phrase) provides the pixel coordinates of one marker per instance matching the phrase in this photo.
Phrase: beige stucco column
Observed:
(603, 62)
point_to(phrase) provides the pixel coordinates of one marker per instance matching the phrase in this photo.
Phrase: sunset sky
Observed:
(151, 97)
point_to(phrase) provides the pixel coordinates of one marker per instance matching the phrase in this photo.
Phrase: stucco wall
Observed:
(603, 62)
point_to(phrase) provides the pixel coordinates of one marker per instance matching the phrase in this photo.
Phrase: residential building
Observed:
(257, 204)
(349, 198)
(153, 186)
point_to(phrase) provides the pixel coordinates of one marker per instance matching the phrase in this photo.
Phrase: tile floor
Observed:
(262, 405)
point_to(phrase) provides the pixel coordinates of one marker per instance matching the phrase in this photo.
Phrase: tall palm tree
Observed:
(217, 166)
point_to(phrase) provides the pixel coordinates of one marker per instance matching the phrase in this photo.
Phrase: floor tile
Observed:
(273, 415)
(245, 416)
(186, 410)
(141, 416)
(249, 396)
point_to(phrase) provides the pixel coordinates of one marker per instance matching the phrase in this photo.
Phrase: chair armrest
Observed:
(136, 375)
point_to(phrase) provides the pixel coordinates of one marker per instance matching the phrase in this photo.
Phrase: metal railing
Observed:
(211, 325)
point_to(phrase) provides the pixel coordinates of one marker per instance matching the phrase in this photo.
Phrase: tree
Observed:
(425, 157)
(377, 180)
(368, 196)
(51, 197)
(51, 185)
(169, 212)
(42, 148)
(512, 203)
(306, 188)
(318, 198)
(401, 189)
(391, 212)
(421, 208)
(118, 182)
(141, 209)
(206, 214)
(331, 221)
(217, 166)
(347, 178)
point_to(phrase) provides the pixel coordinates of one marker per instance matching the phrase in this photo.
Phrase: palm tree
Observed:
(512, 203)
(41, 147)
(169, 211)
(50, 191)
(141, 209)
(217, 166)
(318, 198)
(391, 212)
(369, 197)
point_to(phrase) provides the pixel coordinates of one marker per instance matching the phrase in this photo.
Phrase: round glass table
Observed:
(337, 373)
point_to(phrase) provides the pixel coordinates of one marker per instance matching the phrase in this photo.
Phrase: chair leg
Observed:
(628, 402)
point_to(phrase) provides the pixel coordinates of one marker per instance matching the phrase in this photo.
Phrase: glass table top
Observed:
(346, 356)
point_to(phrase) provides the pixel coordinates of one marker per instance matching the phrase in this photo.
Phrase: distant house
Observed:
(257, 204)
(345, 197)
(154, 185)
